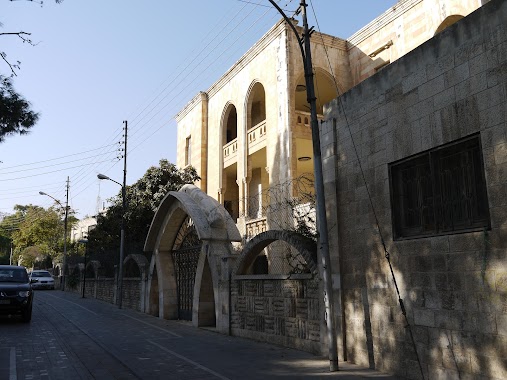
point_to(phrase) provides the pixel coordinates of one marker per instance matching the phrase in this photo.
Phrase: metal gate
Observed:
(185, 253)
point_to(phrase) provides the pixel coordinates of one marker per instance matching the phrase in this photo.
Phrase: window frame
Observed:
(434, 204)
(188, 150)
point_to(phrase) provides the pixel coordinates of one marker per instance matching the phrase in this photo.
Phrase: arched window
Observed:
(256, 106)
(230, 124)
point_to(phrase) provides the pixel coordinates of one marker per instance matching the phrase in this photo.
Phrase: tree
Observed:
(15, 113)
(143, 198)
(36, 233)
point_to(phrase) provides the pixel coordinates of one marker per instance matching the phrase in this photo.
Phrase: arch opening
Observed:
(230, 124)
(131, 269)
(206, 313)
(256, 106)
(185, 255)
(278, 252)
(448, 22)
(325, 91)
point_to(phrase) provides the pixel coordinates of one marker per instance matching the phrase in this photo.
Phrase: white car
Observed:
(42, 279)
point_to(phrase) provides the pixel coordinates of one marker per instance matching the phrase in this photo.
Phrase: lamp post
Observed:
(85, 242)
(122, 235)
(66, 208)
(304, 45)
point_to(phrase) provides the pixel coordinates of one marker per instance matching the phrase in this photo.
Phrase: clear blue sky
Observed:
(97, 63)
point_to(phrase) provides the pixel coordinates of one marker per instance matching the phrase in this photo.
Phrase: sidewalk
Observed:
(164, 349)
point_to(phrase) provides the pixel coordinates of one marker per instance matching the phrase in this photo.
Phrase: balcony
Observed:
(230, 153)
(254, 227)
(303, 121)
(256, 137)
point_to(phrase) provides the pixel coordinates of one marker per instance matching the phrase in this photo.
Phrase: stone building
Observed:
(81, 228)
(230, 254)
(416, 170)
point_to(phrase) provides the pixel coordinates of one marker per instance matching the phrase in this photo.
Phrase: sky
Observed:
(95, 64)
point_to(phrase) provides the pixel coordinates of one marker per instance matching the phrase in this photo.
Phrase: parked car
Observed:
(42, 279)
(16, 294)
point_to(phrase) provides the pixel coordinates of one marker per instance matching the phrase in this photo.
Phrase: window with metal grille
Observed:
(440, 191)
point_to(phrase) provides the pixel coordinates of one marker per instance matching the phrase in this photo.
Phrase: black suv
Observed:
(16, 293)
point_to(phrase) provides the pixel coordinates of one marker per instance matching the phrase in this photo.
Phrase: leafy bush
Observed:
(72, 281)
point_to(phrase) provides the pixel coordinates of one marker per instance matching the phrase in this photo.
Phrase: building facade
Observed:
(236, 253)
(81, 228)
(416, 201)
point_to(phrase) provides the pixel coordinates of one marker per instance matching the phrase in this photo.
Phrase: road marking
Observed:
(12, 372)
(189, 361)
(149, 324)
(63, 299)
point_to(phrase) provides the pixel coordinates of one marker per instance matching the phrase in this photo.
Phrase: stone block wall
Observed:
(285, 312)
(454, 285)
(132, 293)
(104, 289)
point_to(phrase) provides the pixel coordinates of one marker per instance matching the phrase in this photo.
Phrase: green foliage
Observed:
(143, 198)
(72, 280)
(5, 248)
(4, 258)
(36, 234)
(16, 117)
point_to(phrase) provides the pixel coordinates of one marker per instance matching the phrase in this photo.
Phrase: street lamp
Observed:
(66, 208)
(323, 241)
(122, 235)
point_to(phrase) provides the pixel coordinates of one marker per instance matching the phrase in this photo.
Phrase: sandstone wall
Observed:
(453, 285)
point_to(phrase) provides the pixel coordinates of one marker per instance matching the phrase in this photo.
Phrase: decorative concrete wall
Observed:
(106, 289)
(283, 308)
(285, 312)
(453, 285)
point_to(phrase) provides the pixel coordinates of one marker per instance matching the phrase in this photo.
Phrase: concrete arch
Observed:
(215, 229)
(305, 246)
(141, 262)
(325, 89)
(449, 20)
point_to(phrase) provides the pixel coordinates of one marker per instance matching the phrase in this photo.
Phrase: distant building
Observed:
(81, 228)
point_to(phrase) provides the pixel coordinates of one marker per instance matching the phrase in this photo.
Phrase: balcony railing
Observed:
(230, 152)
(256, 137)
(254, 227)
(304, 118)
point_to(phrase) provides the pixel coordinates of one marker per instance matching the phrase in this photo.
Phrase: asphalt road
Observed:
(73, 338)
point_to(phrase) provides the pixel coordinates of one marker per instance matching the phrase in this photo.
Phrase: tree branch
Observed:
(12, 67)
(21, 35)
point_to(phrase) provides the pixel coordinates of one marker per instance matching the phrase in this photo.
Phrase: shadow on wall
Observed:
(454, 285)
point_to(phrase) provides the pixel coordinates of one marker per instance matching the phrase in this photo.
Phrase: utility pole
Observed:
(124, 210)
(65, 222)
(65, 234)
(323, 241)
